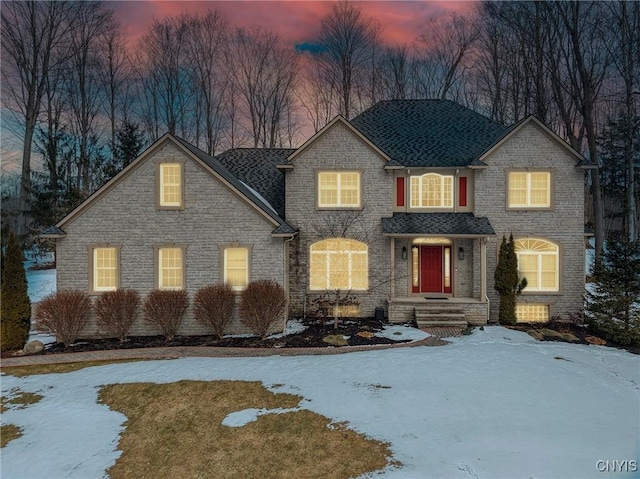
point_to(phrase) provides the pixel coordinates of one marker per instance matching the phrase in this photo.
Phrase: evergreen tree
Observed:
(15, 311)
(507, 283)
(129, 144)
(613, 303)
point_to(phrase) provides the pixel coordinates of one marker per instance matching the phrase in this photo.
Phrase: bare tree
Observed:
(445, 44)
(316, 98)
(206, 40)
(345, 41)
(265, 75)
(33, 32)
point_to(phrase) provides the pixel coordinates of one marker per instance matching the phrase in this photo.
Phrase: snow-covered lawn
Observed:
(496, 404)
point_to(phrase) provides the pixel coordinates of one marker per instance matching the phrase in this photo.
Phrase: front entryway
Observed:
(432, 269)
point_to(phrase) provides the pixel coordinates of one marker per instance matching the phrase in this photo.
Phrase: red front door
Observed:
(431, 269)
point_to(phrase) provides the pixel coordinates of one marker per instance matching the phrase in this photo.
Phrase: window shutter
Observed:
(462, 190)
(400, 191)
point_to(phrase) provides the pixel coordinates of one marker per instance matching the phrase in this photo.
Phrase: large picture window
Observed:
(529, 189)
(339, 264)
(170, 194)
(170, 268)
(432, 190)
(105, 269)
(339, 189)
(538, 261)
(236, 268)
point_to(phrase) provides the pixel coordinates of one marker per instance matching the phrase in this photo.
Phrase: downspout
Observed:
(285, 265)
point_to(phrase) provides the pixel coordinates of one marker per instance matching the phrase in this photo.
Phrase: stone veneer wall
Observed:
(213, 217)
(564, 224)
(339, 149)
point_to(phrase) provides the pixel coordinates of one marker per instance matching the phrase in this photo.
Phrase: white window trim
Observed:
(445, 202)
(225, 267)
(539, 255)
(527, 204)
(338, 203)
(327, 254)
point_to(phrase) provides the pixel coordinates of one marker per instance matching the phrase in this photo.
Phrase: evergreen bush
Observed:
(506, 281)
(165, 309)
(213, 307)
(15, 309)
(261, 306)
(116, 311)
(64, 314)
(613, 300)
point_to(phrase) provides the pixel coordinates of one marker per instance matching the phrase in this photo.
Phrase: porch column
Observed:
(392, 282)
(483, 269)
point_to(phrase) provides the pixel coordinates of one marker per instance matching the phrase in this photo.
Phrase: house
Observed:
(402, 208)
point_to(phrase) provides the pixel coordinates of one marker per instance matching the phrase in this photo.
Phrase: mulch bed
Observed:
(570, 333)
(356, 333)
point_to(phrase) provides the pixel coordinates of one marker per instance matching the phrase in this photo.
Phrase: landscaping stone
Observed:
(33, 347)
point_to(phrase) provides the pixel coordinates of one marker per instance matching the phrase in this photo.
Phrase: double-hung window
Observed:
(170, 185)
(236, 268)
(339, 189)
(339, 263)
(171, 268)
(105, 267)
(529, 189)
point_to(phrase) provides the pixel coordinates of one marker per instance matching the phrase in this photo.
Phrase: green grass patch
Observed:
(175, 430)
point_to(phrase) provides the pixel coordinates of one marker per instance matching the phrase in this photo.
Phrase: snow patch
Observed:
(402, 333)
(246, 416)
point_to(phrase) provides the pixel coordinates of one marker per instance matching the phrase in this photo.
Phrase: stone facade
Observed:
(213, 217)
(339, 148)
(563, 224)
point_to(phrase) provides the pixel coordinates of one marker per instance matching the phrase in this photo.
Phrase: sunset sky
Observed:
(297, 22)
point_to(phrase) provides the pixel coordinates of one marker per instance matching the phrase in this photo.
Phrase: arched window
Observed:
(432, 190)
(538, 261)
(339, 263)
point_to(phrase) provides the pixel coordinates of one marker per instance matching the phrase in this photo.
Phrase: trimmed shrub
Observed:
(15, 309)
(261, 305)
(165, 310)
(116, 311)
(213, 307)
(64, 314)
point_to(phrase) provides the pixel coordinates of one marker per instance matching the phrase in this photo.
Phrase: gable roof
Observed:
(257, 168)
(338, 119)
(428, 133)
(582, 162)
(209, 163)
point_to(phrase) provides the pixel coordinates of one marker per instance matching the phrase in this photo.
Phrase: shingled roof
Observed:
(247, 189)
(428, 133)
(257, 168)
(445, 224)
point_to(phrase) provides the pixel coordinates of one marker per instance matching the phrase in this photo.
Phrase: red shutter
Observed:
(400, 191)
(462, 190)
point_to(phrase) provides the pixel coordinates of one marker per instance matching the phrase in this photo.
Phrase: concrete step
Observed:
(425, 315)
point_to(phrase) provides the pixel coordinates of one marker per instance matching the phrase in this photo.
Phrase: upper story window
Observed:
(105, 269)
(339, 189)
(170, 268)
(432, 190)
(170, 188)
(538, 261)
(339, 263)
(529, 189)
(236, 268)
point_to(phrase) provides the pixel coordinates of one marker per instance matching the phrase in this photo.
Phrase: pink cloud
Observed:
(295, 21)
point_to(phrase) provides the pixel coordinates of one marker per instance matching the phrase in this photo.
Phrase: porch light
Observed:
(461, 253)
(404, 252)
